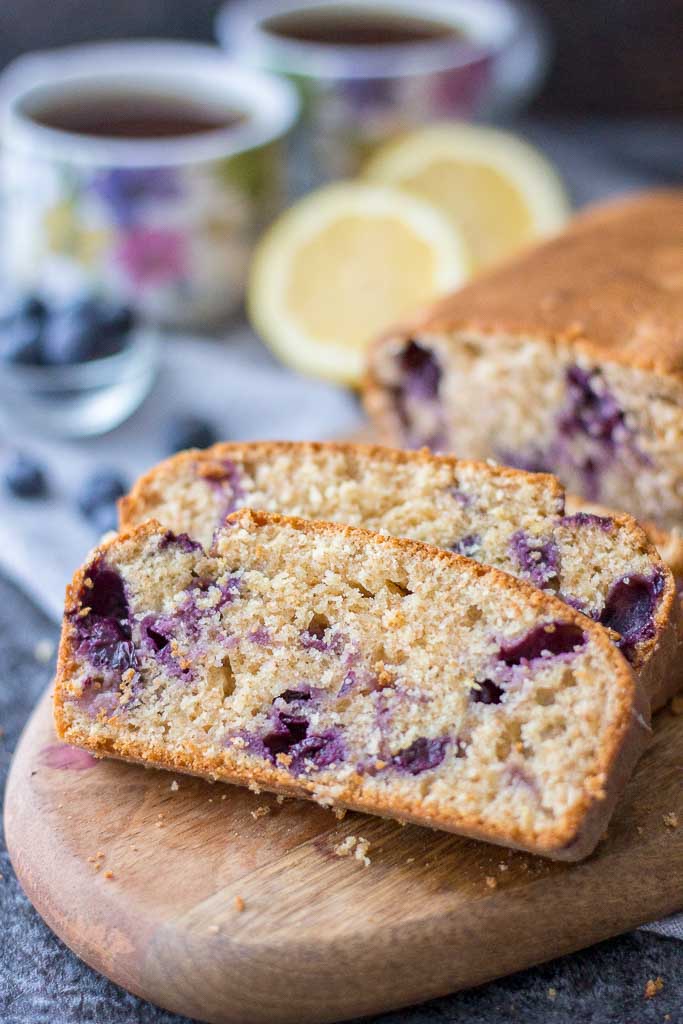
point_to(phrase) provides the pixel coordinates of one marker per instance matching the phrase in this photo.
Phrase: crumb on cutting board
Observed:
(260, 812)
(653, 987)
(670, 819)
(240, 905)
(677, 704)
(354, 846)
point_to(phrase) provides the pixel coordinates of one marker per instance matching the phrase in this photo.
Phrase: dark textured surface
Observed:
(41, 982)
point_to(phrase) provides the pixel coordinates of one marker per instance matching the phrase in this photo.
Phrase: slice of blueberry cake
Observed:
(568, 360)
(515, 521)
(358, 670)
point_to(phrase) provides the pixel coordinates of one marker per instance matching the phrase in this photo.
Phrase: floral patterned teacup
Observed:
(164, 224)
(484, 60)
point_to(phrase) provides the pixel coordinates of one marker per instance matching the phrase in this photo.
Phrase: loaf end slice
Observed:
(357, 670)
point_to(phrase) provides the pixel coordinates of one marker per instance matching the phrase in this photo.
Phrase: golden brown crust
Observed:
(572, 838)
(659, 660)
(145, 494)
(611, 285)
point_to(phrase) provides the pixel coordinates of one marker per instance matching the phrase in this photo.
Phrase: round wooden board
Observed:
(196, 898)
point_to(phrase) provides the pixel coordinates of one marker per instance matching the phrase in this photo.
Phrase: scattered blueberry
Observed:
(24, 477)
(105, 518)
(188, 431)
(98, 496)
(103, 487)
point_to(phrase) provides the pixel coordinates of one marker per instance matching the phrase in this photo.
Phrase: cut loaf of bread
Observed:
(568, 359)
(358, 670)
(515, 521)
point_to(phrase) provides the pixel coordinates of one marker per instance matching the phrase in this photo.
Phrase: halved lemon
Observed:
(341, 265)
(496, 189)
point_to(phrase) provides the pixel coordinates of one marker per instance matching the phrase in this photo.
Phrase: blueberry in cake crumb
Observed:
(24, 476)
(546, 640)
(630, 608)
(468, 545)
(421, 755)
(486, 692)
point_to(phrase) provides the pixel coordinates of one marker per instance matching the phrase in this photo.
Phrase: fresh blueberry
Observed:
(188, 431)
(21, 342)
(21, 307)
(24, 477)
(105, 518)
(103, 487)
(70, 337)
(118, 320)
(98, 496)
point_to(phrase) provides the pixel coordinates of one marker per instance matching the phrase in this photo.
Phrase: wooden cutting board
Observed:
(226, 906)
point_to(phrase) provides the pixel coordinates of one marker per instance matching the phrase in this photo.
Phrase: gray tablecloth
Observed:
(41, 981)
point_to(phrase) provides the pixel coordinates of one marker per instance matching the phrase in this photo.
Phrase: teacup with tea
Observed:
(143, 170)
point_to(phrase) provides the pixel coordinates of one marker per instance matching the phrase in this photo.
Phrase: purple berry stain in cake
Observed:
(486, 692)
(180, 540)
(589, 519)
(104, 634)
(424, 754)
(461, 497)
(289, 744)
(552, 640)
(225, 478)
(419, 375)
(468, 545)
(630, 608)
(319, 636)
(537, 557)
(260, 636)
(530, 462)
(593, 418)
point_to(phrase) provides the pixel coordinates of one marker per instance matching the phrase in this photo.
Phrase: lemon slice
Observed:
(340, 266)
(499, 191)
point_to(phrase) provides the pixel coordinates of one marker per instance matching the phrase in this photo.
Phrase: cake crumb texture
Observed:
(358, 670)
(600, 563)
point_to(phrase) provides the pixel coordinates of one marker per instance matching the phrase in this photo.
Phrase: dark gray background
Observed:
(611, 56)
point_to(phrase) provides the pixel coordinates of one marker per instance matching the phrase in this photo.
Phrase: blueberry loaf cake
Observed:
(515, 521)
(356, 669)
(568, 359)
